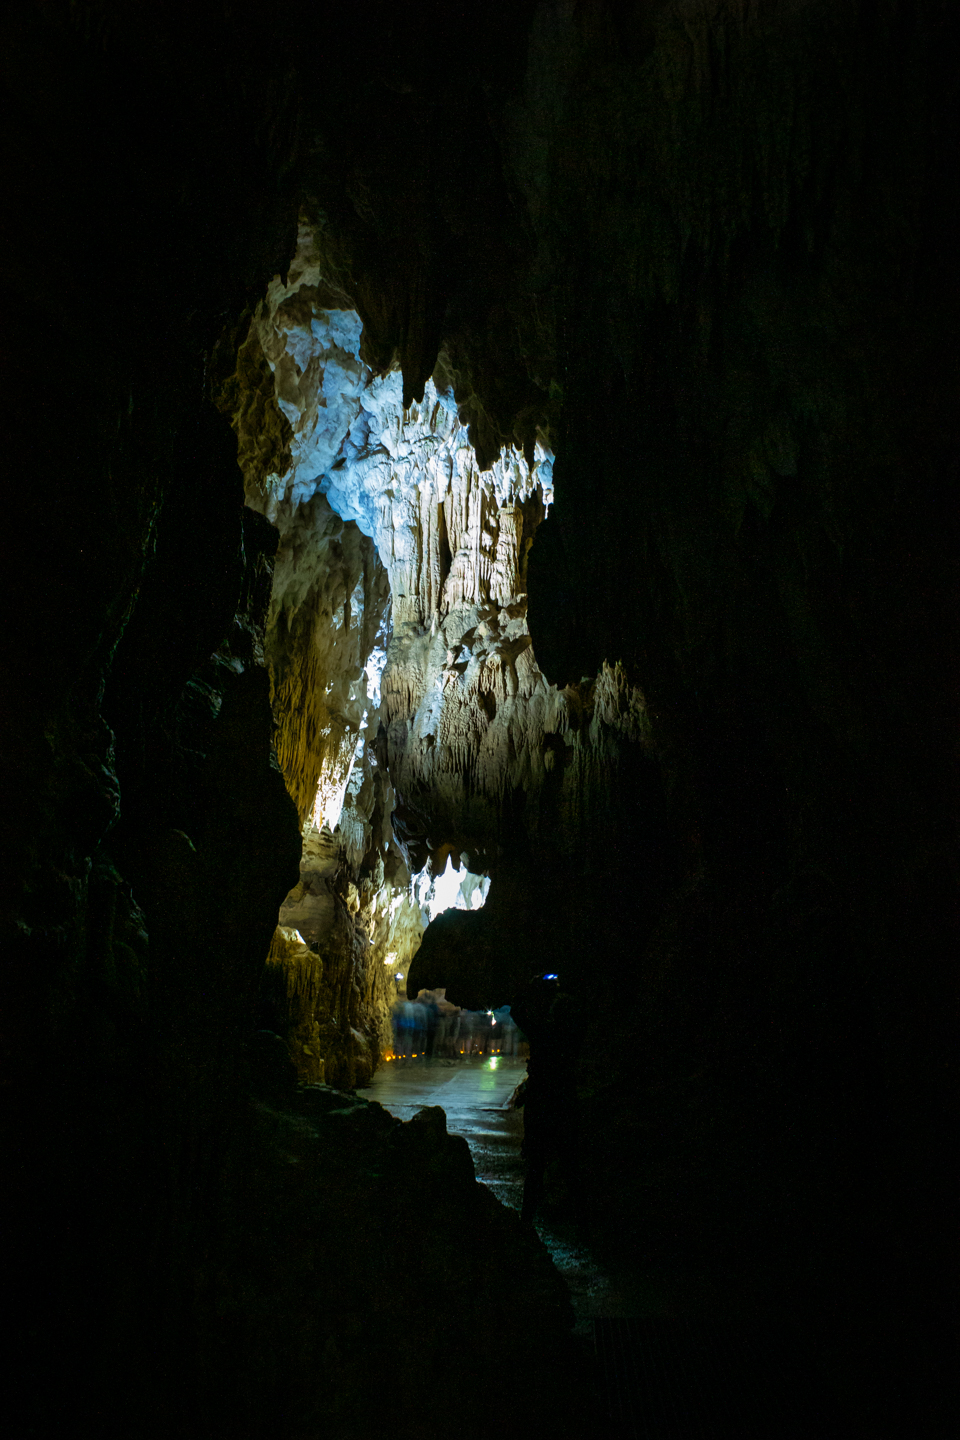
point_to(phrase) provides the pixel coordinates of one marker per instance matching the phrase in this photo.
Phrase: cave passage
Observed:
(405, 687)
(476, 1096)
(660, 1363)
(469, 453)
(449, 792)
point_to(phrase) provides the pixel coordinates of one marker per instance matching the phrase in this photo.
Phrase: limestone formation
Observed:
(409, 703)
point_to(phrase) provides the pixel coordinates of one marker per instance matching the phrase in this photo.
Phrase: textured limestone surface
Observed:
(450, 673)
(464, 707)
(412, 715)
(327, 1004)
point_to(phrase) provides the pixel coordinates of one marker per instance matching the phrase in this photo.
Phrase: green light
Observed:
(493, 1062)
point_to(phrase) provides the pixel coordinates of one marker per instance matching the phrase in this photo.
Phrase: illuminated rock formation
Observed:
(464, 706)
(407, 723)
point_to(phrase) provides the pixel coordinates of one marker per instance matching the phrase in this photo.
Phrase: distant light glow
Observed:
(398, 976)
(551, 977)
(455, 889)
(493, 1062)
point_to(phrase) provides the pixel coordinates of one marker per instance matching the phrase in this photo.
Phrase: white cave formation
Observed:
(408, 697)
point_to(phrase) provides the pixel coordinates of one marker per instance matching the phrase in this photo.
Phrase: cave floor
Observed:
(670, 1358)
(475, 1094)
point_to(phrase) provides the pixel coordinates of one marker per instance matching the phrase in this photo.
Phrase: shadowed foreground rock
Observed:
(364, 1281)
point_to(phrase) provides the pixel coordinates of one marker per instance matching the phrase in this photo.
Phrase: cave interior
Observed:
(519, 442)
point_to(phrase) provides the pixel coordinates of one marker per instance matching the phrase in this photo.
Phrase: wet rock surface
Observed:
(475, 1097)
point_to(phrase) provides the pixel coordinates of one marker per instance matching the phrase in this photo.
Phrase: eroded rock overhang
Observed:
(414, 726)
(427, 638)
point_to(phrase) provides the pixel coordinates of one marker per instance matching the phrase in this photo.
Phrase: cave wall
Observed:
(779, 491)
(133, 936)
(327, 610)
